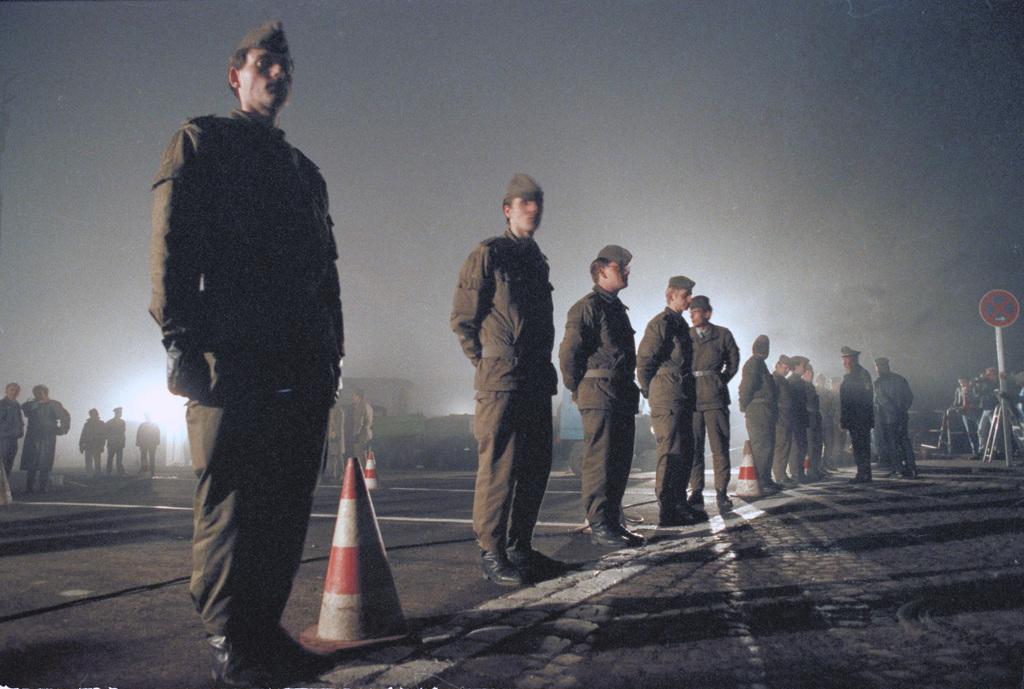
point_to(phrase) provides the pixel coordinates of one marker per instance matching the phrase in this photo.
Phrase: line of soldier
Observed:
(46, 419)
(502, 314)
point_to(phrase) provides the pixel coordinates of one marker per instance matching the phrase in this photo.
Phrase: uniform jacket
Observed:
(813, 405)
(12, 425)
(115, 434)
(892, 398)
(93, 437)
(757, 384)
(664, 360)
(599, 339)
(148, 435)
(503, 315)
(46, 420)
(797, 401)
(785, 399)
(856, 400)
(716, 352)
(242, 260)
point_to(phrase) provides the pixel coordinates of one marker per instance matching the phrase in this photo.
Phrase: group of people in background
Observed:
(974, 406)
(41, 419)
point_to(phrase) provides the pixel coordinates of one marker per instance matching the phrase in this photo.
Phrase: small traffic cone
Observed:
(807, 464)
(747, 485)
(360, 604)
(5, 488)
(371, 470)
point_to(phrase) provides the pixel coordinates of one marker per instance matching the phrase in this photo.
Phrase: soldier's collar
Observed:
(243, 116)
(608, 296)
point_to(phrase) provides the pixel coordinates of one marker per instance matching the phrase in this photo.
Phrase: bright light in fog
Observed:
(148, 395)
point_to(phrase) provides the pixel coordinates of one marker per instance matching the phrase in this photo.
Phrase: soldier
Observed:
(799, 419)
(598, 359)
(245, 290)
(116, 440)
(362, 425)
(828, 404)
(856, 407)
(783, 423)
(716, 359)
(893, 399)
(814, 429)
(147, 439)
(760, 407)
(663, 367)
(12, 426)
(47, 419)
(503, 315)
(91, 442)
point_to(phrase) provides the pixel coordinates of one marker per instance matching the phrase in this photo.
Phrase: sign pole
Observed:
(1005, 419)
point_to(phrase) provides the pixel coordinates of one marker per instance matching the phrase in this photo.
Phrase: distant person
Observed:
(963, 412)
(116, 440)
(334, 467)
(147, 439)
(893, 399)
(799, 418)
(362, 425)
(12, 426)
(503, 316)
(598, 361)
(47, 419)
(814, 428)
(664, 368)
(783, 424)
(92, 441)
(857, 414)
(246, 292)
(759, 404)
(985, 389)
(828, 403)
(716, 359)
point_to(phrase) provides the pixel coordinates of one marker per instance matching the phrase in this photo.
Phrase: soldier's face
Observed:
(12, 391)
(614, 277)
(263, 83)
(679, 300)
(698, 317)
(848, 363)
(524, 216)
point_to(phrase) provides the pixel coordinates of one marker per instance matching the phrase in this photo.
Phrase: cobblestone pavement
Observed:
(896, 584)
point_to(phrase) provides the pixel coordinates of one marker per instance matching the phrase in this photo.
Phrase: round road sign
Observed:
(999, 308)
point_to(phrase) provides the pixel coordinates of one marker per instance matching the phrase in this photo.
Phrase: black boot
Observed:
(499, 570)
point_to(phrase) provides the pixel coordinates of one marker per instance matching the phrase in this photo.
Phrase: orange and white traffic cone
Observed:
(360, 604)
(5, 488)
(371, 470)
(747, 485)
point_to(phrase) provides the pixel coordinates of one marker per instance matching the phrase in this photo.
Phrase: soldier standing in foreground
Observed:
(783, 423)
(857, 413)
(598, 361)
(663, 367)
(760, 407)
(245, 290)
(503, 316)
(12, 426)
(716, 359)
(47, 419)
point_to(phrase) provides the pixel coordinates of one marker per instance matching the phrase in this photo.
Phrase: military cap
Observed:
(882, 362)
(681, 282)
(799, 360)
(522, 187)
(849, 351)
(761, 345)
(117, 409)
(700, 302)
(269, 36)
(614, 252)
(783, 359)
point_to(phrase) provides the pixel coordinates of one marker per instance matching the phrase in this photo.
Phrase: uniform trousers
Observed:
(257, 463)
(147, 458)
(760, 422)
(673, 433)
(118, 453)
(712, 424)
(814, 445)
(782, 450)
(513, 434)
(860, 439)
(8, 450)
(798, 452)
(608, 456)
(93, 460)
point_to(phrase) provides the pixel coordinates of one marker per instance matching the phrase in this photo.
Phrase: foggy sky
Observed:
(829, 172)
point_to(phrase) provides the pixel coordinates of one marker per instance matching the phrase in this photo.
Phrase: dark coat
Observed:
(116, 434)
(893, 398)
(46, 420)
(757, 384)
(503, 315)
(718, 354)
(856, 400)
(12, 425)
(245, 287)
(664, 361)
(799, 417)
(600, 339)
(93, 436)
(783, 390)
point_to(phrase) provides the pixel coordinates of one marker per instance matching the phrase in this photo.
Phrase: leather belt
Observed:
(698, 374)
(605, 373)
